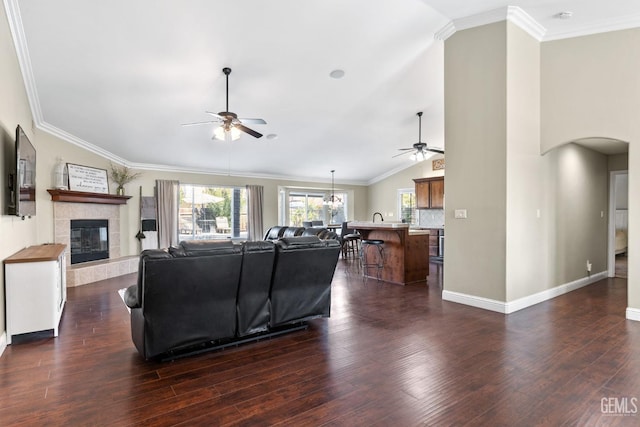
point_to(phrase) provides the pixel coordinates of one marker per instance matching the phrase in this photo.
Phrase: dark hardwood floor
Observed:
(389, 355)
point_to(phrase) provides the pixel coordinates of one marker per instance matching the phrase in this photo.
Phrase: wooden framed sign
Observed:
(87, 179)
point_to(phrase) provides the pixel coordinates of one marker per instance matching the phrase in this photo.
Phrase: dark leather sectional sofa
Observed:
(207, 294)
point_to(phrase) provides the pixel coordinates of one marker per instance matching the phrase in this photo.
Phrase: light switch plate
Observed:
(460, 213)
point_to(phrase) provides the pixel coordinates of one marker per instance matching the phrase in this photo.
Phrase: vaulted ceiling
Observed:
(120, 77)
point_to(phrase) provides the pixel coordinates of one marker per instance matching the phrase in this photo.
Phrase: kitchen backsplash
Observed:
(431, 218)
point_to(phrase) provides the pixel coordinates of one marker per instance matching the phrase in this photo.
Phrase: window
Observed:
(407, 205)
(208, 212)
(305, 207)
(300, 206)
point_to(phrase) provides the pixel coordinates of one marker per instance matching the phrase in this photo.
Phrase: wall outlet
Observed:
(589, 266)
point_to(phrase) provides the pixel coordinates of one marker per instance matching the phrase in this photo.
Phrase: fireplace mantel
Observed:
(84, 197)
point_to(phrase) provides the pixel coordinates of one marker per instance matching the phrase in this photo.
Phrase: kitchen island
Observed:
(406, 251)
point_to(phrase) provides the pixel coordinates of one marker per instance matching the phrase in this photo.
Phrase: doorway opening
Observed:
(618, 223)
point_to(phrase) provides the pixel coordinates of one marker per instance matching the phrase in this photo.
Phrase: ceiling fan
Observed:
(230, 125)
(419, 149)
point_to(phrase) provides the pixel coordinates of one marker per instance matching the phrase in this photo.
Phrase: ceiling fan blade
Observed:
(435, 150)
(406, 149)
(199, 123)
(247, 130)
(401, 154)
(253, 121)
(215, 115)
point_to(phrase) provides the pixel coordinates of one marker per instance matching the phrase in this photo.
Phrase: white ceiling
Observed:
(119, 77)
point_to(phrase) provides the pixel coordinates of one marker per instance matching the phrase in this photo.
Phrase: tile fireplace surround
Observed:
(88, 272)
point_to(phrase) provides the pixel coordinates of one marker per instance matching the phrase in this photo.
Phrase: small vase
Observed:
(120, 190)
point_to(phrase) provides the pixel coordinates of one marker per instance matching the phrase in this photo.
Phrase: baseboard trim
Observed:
(524, 302)
(3, 342)
(474, 301)
(633, 314)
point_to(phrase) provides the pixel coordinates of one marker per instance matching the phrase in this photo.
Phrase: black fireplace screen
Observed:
(89, 240)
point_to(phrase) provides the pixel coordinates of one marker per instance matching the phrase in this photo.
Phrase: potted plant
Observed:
(122, 175)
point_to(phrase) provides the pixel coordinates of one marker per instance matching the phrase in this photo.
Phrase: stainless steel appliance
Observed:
(441, 246)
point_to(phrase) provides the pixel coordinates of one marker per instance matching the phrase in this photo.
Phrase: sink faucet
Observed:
(374, 216)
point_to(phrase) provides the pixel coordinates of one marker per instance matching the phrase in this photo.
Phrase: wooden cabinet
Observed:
(429, 193)
(36, 289)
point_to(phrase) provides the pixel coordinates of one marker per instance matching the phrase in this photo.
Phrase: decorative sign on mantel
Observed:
(88, 179)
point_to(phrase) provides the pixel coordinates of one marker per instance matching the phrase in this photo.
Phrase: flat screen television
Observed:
(22, 177)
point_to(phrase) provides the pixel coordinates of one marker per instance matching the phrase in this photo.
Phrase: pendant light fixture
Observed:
(333, 200)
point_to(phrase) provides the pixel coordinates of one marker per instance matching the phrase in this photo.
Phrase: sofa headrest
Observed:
(312, 231)
(275, 232)
(154, 254)
(328, 235)
(293, 231)
(300, 242)
(205, 248)
(258, 246)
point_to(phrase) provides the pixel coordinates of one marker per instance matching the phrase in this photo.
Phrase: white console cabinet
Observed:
(35, 289)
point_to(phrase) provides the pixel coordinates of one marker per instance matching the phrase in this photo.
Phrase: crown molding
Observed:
(445, 32)
(512, 14)
(24, 60)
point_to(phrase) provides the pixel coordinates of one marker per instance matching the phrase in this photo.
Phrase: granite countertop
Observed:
(371, 225)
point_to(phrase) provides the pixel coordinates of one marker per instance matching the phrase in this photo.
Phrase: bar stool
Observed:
(350, 245)
(349, 240)
(379, 261)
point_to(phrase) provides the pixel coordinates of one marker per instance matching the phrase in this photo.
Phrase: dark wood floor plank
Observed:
(389, 355)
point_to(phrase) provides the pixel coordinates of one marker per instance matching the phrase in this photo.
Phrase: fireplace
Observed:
(89, 240)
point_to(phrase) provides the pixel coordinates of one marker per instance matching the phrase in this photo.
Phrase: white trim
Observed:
(445, 32)
(22, 51)
(524, 302)
(523, 20)
(548, 294)
(3, 342)
(633, 314)
(474, 301)
(509, 13)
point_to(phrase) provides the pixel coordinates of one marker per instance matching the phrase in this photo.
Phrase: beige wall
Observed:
(591, 88)
(534, 220)
(475, 132)
(527, 214)
(383, 195)
(578, 195)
